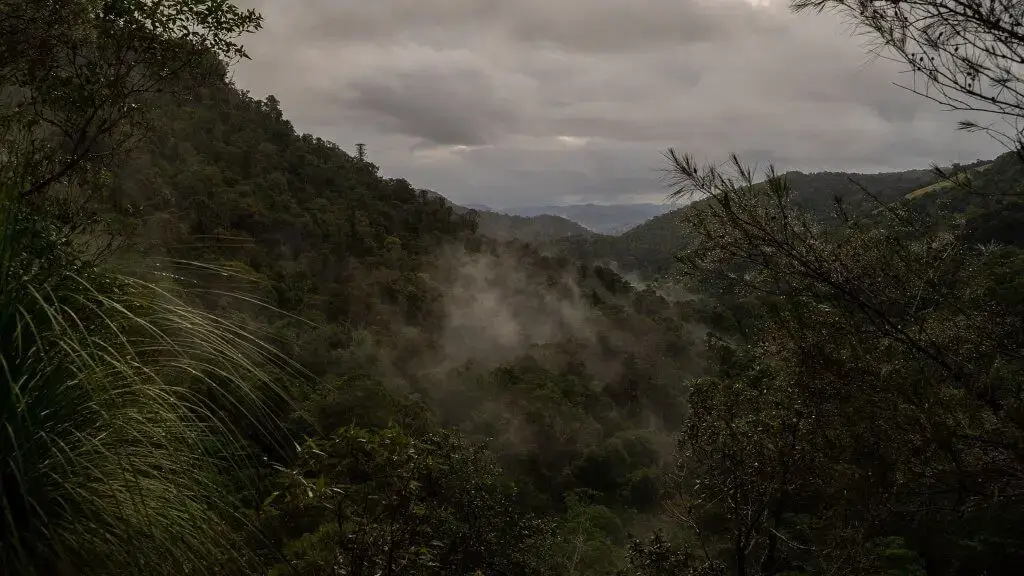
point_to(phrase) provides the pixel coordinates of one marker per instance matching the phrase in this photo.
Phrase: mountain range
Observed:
(641, 239)
(600, 218)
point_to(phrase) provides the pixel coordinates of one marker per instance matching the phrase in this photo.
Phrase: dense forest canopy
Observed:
(230, 348)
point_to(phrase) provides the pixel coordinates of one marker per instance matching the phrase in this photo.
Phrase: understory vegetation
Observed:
(229, 348)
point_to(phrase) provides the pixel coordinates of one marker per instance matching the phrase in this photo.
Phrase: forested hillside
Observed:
(408, 325)
(229, 348)
(533, 229)
(988, 199)
(603, 219)
(649, 249)
(411, 324)
(537, 229)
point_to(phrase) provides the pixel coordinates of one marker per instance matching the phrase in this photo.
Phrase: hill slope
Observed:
(604, 219)
(410, 321)
(534, 229)
(648, 249)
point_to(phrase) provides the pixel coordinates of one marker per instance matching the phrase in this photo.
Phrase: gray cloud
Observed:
(601, 26)
(448, 106)
(535, 101)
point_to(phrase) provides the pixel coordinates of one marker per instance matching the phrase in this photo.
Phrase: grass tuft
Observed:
(124, 409)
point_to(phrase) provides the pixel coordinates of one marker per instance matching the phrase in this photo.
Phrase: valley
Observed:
(231, 347)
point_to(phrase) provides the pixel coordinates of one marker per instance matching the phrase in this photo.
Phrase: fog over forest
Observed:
(410, 288)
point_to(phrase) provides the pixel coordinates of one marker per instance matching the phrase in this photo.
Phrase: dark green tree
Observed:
(79, 76)
(876, 396)
(380, 502)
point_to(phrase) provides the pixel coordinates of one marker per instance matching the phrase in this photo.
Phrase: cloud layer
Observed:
(534, 101)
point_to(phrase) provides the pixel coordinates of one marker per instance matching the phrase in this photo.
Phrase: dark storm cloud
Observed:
(538, 101)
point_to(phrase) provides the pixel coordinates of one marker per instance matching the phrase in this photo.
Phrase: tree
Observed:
(656, 556)
(884, 359)
(967, 53)
(381, 502)
(888, 329)
(121, 401)
(77, 77)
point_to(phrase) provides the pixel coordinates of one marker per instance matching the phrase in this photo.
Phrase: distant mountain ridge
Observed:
(642, 238)
(600, 218)
(534, 229)
(648, 249)
(539, 229)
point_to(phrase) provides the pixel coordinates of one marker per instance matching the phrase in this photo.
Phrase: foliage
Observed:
(656, 556)
(78, 76)
(120, 408)
(367, 271)
(484, 405)
(124, 404)
(649, 249)
(966, 54)
(534, 229)
(377, 501)
(876, 395)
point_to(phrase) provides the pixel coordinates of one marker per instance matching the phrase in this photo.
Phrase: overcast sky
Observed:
(521, 102)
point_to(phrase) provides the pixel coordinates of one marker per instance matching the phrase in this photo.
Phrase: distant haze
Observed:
(605, 219)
